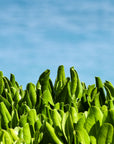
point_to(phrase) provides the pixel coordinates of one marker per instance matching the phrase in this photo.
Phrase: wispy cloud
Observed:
(81, 17)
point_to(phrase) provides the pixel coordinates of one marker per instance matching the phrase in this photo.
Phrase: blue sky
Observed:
(37, 35)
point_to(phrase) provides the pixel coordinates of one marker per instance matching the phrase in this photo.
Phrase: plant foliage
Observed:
(66, 112)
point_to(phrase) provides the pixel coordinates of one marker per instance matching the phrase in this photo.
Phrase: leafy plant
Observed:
(66, 112)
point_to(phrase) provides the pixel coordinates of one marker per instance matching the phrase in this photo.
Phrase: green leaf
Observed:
(23, 120)
(52, 134)
(90, 90)
(6, 117)
(7, 83)
(27, 99)
(16, 97)
(88, 95)
(1, 74)
(93, 140)
(6, 102)
(67, 127)
(15, 118)
(110, 87)
(74, 114)
(13, 134)
(19, 132)
(1, 85)
(110, 104)
(64, 96)
(111, 116)
(109, 95)
(26, 133)
(6, 138)
(95, 97)
(31, 118)
(60, 76)
(74, 78)
(49, 133)
(81, 120)
(38, 137)
(94, 115)
(79, 89)
(57, 106)
(105, 135)
(82, 136)
(44, 80)
(38, 124)
(47, 97)
(32, 93)
(13, 91)
(99, 86)
(56, 118)
(12, 79)
(9, 97)
(44, 84)
(104, 110)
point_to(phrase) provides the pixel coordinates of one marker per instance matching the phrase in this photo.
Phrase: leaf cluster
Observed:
(66, 112)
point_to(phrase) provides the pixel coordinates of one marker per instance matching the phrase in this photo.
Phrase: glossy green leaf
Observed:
(67, 127)
(109, 95)
(32, 93)
(38, 124)
(110, 104)
(23, 120)
(47, 97)
(38, 137)
(44, 80)
(31, 118)
(93, 140)
(50, 134)
(74, 114)
(13, 134)
(99, 86)
(90, 90)
(105, 135)
(15, 118)
(104, 110)
(79, 89)
(6, 83)
(5, 116)
(64, 96)
(73, 74)
(82, 136)
(81, 120)
(110, 87)
(94, 115)
(60, 75)
(111, 116)
(27, 99)
(56, 118)
(95, 98)
(6, 102)
(6, 138)
(12, 79)
(26, 133)
(17, 97)
(1, 85)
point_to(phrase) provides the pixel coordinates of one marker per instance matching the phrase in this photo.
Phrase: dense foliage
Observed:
(66, 112)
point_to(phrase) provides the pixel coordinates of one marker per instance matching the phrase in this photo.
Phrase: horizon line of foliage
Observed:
(66, 112)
